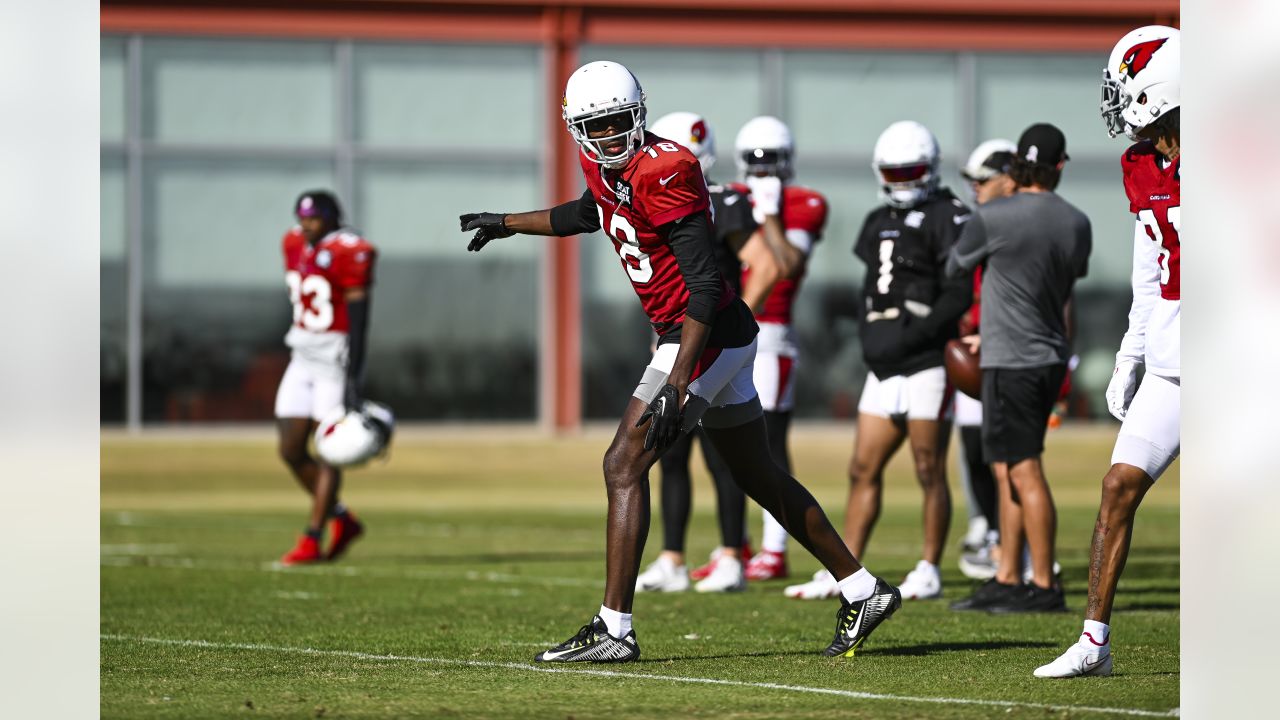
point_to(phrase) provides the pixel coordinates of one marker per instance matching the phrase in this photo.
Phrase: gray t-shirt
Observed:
(1033, 246)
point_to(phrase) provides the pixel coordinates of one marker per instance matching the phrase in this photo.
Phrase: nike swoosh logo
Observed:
(731, 200)
(552, 655)
(662, 408)
(664, 181)
(1088, 668)
(958, 219)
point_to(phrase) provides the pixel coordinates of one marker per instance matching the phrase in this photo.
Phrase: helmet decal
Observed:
(1137, 57)
(698, 132)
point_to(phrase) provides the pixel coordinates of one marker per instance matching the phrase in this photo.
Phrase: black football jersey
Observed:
(731, 212)
(905, 253)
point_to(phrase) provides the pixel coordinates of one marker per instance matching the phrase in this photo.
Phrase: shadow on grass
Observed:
(908, 650)
(1151, 607)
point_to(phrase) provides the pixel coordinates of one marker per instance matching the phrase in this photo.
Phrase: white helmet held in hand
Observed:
(692, 131)
(905, 162)
(1142, 81)
(764, 147)
(347, 439)
(598, 90)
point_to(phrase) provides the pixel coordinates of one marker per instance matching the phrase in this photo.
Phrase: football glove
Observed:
(766, 195)
(663, 416)
(1123, 385)
(488, 226)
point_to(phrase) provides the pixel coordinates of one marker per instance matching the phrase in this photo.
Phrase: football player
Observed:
(650, 197)
(911, 309)
(329, 272)
(736, 242)
(1141, 97)
(987, 174)
(792, 218)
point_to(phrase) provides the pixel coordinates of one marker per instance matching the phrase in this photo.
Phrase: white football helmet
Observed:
(979, 168)
(692, 131)
(599, 89)
(1142, 81)
(905, 162)
(347, 439)
(764, 147)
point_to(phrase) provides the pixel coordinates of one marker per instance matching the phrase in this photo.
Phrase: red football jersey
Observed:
(662, 183)
(1155, 196)
(318, 275)
(801, 209)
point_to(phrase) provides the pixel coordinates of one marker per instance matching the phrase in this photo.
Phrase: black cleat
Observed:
(855, 621)
(988, 593)
(1031, 598)
(593, 643)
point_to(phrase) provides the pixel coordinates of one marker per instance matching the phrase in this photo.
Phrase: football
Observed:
(962, 368)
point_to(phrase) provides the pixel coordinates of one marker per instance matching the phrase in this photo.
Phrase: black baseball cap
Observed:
(1043, 143)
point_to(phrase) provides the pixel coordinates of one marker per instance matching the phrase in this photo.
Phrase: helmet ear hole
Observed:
(1142, 99)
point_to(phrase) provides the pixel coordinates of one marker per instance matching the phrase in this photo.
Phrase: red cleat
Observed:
(698, 573)
(768, 565)
(344, 531)
(306, 551)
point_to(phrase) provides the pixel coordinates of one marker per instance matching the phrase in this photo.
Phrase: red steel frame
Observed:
(561, 27)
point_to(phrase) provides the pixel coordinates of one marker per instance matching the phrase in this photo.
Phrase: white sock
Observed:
(858, 586)
(775, 536)
(1095, 634)
(619, 624)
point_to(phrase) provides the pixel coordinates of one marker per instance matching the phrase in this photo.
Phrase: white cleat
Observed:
(923, 583)
(821, 587)
(728, 575)
(1079, 661)
(662, 575)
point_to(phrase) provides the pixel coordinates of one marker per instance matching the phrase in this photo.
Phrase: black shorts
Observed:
(1016, 403)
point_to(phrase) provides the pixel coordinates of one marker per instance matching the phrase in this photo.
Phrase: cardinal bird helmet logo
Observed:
(1137, 57)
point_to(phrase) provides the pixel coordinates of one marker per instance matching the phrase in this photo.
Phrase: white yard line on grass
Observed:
(855, 694)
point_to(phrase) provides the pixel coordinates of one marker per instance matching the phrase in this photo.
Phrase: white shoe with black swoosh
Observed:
(1079, 660)
(855, 621)
(593, 643)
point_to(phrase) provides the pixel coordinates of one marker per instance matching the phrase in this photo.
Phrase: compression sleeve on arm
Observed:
(358, 322)
(1146, 290)
(575, 216)
(691, 239)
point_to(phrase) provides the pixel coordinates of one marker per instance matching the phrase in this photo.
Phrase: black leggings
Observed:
(677, 494)
(981, 480)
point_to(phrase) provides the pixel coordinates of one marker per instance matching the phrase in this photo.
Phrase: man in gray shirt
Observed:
(1033, 246)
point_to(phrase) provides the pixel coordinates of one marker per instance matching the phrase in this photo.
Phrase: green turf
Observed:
(480, 551)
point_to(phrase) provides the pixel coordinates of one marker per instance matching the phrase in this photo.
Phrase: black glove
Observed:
(488, 226)
(663, 416)
(351, 396)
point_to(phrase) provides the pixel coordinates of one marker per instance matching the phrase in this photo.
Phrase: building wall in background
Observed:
(214, 118)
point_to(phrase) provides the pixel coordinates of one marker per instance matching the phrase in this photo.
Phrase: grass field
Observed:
(484, 547)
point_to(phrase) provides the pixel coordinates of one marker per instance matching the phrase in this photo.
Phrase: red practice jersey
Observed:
(1155, 196)
(662, 183)
(319, 275)
(801, 210)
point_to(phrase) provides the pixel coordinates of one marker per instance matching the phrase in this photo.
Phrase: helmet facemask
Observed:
(766, 162)
(1114, 100)
(904, 186)
(593, 148)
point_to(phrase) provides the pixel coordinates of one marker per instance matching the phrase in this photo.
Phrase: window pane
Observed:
(842, 102)
(111, 292)
(449, 96)
(678, 80)
(232, 91)
(454, 334)
(112, 113)
(216, 307)
(1015, 91)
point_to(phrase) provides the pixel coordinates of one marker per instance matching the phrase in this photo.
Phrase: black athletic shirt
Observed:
(910, 308)
(734, 224)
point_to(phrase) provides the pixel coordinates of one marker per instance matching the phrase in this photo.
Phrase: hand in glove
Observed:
(1123, 385)
(766, 196)
(488, 226)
